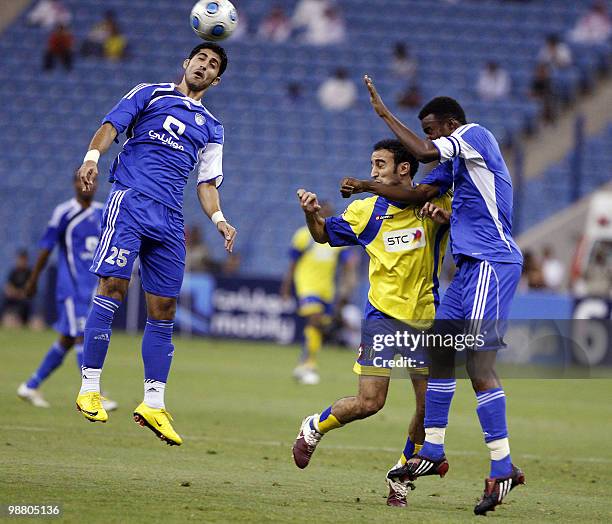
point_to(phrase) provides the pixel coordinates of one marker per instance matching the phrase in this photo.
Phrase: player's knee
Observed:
(315, 320)
(115, 288)
(371, 405)
(162, 309)
(66, 342)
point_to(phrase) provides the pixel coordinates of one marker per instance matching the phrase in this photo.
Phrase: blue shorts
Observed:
(71, 317)
(382, 338)
(311, 305)
(135, 225)
(478, 301)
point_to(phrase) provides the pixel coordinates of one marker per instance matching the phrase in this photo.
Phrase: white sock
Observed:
(499, 448)
(435, 435)
(90, 380)
(154, 394)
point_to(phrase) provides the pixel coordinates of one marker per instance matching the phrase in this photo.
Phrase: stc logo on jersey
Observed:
(404, 239)
(175, 129)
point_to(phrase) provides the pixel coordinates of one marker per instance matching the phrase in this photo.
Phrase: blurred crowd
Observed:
(104, 40)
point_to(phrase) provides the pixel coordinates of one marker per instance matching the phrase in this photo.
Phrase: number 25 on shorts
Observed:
(117, 256)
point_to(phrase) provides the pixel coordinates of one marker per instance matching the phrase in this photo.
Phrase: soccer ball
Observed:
(214, 19)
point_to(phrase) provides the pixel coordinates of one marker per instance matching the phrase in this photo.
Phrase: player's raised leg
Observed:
(162, 265)
(369, 400)
(111, 292)
(396, 479)
(157, 353)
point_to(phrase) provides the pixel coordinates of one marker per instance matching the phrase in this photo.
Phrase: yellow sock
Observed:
(327, 421)
(417, 448)
(313, 338)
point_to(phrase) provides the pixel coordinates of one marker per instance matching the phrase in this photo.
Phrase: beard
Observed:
(197, 84)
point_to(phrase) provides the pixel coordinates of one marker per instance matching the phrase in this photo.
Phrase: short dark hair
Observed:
(215, 48)
(400, 153)
(444, 107)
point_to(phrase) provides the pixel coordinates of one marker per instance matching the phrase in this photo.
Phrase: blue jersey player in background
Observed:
(169, 134)
(75, 229)
(478, 299)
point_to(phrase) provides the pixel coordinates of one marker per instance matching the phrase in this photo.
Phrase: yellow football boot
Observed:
(158, 421)
(90, 404)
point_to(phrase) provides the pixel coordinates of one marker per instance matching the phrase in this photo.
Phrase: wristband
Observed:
(93, 155)
(217, 217)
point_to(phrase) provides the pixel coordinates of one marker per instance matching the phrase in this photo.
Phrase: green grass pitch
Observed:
(239, 410)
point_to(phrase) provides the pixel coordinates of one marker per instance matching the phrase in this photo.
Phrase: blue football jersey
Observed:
(76, 230)
(481, 221)
(168, 135)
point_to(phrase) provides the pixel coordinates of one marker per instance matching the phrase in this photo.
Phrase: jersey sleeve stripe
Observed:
(452, 144)
(374, 223)
(134, 90)
(458, 144)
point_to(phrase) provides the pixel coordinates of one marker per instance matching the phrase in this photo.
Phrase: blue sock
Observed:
(98, 331)
(78, 355)
(157, 349)
(438, 399)
(53, 359)
(491, 412)
(408, 450)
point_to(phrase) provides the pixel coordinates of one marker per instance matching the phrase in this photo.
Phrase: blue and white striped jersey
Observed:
(481, 221)
(168, 135)
(76, 230)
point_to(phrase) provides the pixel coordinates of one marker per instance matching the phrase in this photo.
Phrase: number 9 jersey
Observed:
(168, 136)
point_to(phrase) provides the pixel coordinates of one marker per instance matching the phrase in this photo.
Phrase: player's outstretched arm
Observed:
(314, 221)
(32, 283)
(208, 195)
(407, 195)
(100, 144)
(422, 149)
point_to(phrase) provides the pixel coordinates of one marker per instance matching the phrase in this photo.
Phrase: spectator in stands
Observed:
(532, 277)
(49, 14)
(555, 53)
(16, 306)
(598, 275)
(338, 92)
(493, 82)
(198, 257)
(404, 64)
(275, 27)
(59, 47)
(593, 27)
(411, 97)
(542, 91)
(321, 22)
(115, 45)
(552, 270)
(98, 35)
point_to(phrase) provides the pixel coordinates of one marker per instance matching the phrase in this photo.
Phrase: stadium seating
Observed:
(273, 145)
(554, 190)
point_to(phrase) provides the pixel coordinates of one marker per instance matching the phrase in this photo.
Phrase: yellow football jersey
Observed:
(406, 253)
(315, 270)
